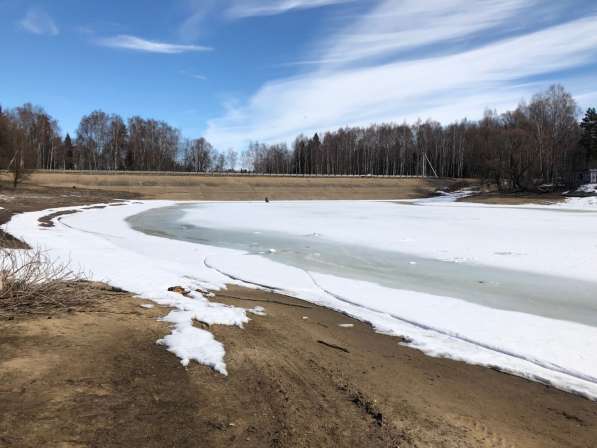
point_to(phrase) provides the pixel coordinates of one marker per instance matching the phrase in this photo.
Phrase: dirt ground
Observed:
(95, 377)
(92, 375)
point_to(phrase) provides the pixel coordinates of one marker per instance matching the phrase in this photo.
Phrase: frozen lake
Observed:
(508, 287)
(552, 296)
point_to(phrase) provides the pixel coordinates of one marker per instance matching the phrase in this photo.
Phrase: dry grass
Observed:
(32, 283)
(220, 188)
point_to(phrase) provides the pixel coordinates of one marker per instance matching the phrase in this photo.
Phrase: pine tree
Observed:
(129, 160)
(589, 133)
(69, 155)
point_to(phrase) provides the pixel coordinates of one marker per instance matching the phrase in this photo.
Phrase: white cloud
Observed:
(251, 8)
(193, 75)
(401, 25)
(587, 99)
(445, 87)
(37, 21)
(197, 10)
(134, 43)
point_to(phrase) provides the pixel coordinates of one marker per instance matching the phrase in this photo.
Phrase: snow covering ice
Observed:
(543, 237)
(549, 240)
(588, 188)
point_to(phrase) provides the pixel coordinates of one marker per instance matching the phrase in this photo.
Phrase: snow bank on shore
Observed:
(588, 188)
(99, 242)
(542, 349)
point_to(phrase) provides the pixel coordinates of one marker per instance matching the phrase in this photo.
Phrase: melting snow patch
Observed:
(147, 305)
(258, 311)
(194, 344)
(588, 188)
(101, 242)
(346, 325)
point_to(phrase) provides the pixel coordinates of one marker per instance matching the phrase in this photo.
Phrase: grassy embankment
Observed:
(213, 188)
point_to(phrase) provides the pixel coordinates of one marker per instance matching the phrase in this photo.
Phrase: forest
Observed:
(538, 143)
(31, 139)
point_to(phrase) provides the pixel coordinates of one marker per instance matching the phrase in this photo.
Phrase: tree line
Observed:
(538, 143)
(31, 139)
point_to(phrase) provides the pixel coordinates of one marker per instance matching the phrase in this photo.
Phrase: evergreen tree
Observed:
(129, 160)
(589, 133)
(69, 156)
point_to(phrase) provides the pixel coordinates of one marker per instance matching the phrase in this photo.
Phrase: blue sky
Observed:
(240, 70)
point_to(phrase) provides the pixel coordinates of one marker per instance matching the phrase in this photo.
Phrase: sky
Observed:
(236, 71)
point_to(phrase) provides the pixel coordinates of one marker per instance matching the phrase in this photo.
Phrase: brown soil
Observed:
(95, 377)
(92, 375)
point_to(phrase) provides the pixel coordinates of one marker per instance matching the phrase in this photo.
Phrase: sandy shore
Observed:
(92, 375)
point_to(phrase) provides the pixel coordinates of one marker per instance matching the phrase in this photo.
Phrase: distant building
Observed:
(590, 174)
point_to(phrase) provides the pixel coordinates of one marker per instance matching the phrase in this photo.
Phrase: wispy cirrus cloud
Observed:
(252, 8)
(374, 82)
(193, 75)
(395, 26)
(195, 13)
(134, 43)
(37, 21)
(198, 10)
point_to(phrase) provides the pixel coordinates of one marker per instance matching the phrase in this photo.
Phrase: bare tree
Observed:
(199, 156)
(231, 159)
(534, 145)
(522, 149)
(117, 142)
(93, 138)
(219, 163)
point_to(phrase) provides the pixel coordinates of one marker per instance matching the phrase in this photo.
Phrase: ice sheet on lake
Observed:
(541, 238)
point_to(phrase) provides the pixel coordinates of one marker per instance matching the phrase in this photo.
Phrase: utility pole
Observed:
(425, 165)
